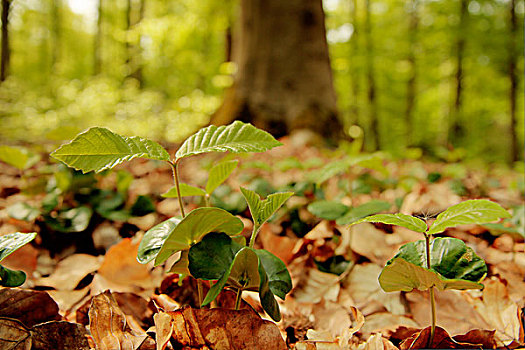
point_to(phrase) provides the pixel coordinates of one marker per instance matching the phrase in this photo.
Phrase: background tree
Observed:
(284, 79)
(4, 63)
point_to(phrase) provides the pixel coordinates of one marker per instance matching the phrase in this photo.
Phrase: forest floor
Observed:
(89, 283)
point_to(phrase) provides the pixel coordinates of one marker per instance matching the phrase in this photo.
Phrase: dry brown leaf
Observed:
(67, 299)
(363, 286)
(368, 241)
(317, 286)
(281, 246)
(28, 306)
(318, 340)
(120, 266)
(24, 259)
(501, 313)
(108, 325)
(322, 230)
(429, 198)
(45, 336)
(442, 340)
(386, 323)
(224, 329)
(377, 342)
(70, 271)
(331, 317)
(163, 329)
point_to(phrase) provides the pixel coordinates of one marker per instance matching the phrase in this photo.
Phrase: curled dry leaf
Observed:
(163, 329)
(386, 323)
(109, 327)
(317, 286)
(377, 342)
(368, 241)
(70, 271)
(442, 340)
(224, 329)
(318, 340)
(29, 307)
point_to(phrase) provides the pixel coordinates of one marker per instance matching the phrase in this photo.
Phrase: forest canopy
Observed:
(442, 76)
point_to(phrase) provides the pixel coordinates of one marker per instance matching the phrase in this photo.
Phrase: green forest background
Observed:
(158, 68)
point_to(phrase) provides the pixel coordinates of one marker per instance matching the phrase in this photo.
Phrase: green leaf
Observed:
(237, 137)
(18, 157)
(372, 161)
(70, 220)
(23, 211)
(328, 210)
(268, 301)
(11, 242)
(142, 206)
(453, 266)
(478, 211)
(219, 173)
(154, 239)
(362, 211)
(407, 221)
(194, 226)
(279, 279)
(11, 278)
(185, 191)
(262, 210)
(98, 149)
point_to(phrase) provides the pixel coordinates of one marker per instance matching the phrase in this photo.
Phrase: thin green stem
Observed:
(238, 299)
(174, 167)
(432, 296)
(207, 200)
(200, 291)
(254, 235)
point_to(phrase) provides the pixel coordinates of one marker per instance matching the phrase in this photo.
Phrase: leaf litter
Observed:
(112, 302)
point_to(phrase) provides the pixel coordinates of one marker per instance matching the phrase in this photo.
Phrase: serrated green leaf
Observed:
(185, 191)
(154, 239)
(99, 149)
(453, 266)
(262, 210)
(362, 211)
(18, 157)
(477, 211)
(237, 137)
(196, 225)
(11, 242)
(219, 173)
(406, 221)
(328, 210)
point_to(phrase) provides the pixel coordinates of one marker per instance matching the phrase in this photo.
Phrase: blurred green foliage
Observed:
(163, 75)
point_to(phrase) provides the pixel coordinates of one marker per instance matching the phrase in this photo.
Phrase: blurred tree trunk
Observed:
(354, 51)
(412, 80)
(374, 142)
(284, 79)
(97, 58)
(133, 17)
(55, 51)
(456, 129)
(513, 76)
(4, 66)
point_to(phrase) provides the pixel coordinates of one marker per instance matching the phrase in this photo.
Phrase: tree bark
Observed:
(412, 80)
(55, 17)
(133, 17)
(284, 79)
(354, 51)
(97, 57)
(513, 77)
(372, 103)
(4, 65)
(456, 130)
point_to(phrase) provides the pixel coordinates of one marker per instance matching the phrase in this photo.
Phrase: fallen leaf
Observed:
(70, 271)
(331, 317)
(28, 306)
(319, 340)
(108, 325)
(281, 246)
(14, 335)
(67, 299)
(163, 329)
(317, 286)
(120, 266)
(224, 329)
(442, 340)
(366, 240)
(377, 342)
(386, 323)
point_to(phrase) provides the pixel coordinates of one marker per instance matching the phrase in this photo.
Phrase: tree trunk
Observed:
(4, 66)
(354, 51)
(55, 17)
(97, 57)
(372, 104)
(133, 17)
(284, 79)
(513, 76)
(412, 80)
(456, 130)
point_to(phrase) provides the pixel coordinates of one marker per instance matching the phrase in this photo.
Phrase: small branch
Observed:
(200, 291)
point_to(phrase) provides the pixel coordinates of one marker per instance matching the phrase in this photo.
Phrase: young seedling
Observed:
(99, 149)
(442, 263)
